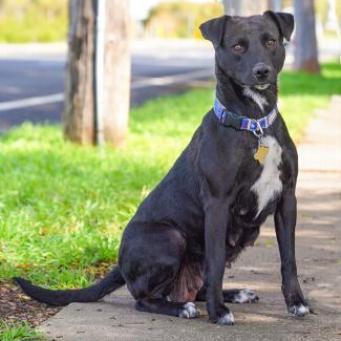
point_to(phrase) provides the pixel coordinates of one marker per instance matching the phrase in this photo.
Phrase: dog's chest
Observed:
(268, 185)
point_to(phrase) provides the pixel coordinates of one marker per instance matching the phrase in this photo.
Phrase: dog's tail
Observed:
(109, 283)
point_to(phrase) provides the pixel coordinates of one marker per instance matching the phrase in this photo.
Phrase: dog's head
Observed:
(250, 50)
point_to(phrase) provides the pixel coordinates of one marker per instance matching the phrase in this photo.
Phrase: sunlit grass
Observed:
(63, 207)
(19, 332)
(301, 94)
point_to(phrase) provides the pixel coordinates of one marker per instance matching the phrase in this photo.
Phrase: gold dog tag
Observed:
(261, 154)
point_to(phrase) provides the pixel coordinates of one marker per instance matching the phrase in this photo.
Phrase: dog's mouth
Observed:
(261, 87)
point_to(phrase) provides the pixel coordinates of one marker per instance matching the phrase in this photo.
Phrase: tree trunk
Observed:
(117, 72)
(306, 55)
(80, 119)
(275, 5)
(232, 7)
(244, 7)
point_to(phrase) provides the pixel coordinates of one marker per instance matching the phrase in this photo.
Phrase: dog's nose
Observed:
(261, 71)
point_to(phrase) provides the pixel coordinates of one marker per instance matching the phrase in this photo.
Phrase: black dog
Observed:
(240, 166)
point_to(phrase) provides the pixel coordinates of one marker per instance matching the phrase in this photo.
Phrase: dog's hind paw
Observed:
(189, 311)
(299, 310)
(245, 296)
(227, 319)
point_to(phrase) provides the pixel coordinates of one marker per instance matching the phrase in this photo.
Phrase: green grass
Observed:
(19, 332)
(301, 94)
(63, 207)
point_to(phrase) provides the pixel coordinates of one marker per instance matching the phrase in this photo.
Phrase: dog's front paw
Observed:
(220, 314)
(299, 310)
(226, 320)
(189, 311)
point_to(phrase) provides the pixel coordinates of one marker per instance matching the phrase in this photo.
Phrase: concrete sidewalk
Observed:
(318, 246)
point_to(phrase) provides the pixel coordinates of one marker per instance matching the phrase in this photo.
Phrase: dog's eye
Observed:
(270, 43)
(238, 48)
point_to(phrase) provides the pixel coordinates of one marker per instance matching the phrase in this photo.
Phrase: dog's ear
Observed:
(213, 30)
(284, 22)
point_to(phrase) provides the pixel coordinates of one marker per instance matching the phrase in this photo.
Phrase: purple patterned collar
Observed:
(229, 119)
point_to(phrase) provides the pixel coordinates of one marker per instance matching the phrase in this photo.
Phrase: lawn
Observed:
(63, 207)
(20, 331)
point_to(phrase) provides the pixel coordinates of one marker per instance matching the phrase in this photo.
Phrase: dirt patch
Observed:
(15, 306)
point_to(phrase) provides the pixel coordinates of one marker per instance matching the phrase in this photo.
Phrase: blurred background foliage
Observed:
(180, 19)
(46, 20)
(33, 20)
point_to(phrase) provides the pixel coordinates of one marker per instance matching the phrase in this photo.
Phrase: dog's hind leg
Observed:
(151, 263)
(162, 306)
(153, 288)
(233, 296)
(152, 291)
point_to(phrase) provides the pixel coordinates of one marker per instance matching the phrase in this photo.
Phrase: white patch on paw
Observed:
(245, 296)
(300, 310)
(227, 319)
(189, 311)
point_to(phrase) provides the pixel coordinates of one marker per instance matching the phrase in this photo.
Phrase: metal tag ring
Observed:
(259, 130)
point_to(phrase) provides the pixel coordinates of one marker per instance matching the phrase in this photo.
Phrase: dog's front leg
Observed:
(216, 222)
(285, 223)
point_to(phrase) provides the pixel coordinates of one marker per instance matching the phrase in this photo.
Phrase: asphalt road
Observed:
(156, 70)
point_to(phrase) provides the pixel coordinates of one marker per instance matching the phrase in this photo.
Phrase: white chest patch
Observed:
(268, 185)
(256, 97)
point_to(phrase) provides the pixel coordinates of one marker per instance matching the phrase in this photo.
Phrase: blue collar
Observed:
(229, 119)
